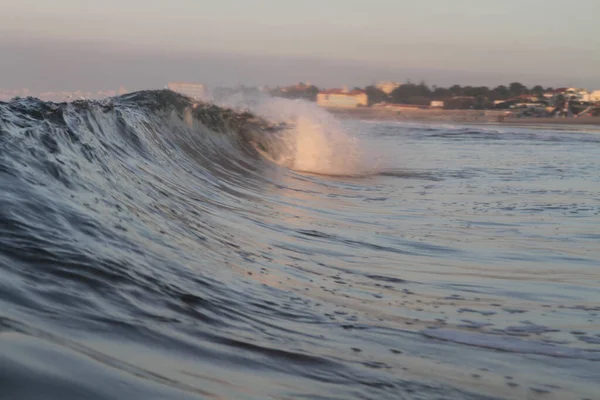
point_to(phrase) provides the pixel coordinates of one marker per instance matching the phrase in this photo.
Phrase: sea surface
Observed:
(156, 248)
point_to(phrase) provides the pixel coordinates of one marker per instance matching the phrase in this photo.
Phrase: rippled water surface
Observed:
(149, 251)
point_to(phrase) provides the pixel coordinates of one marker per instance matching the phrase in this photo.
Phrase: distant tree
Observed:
(456, 90)
(376, 95)
(419, 100)
(402, 93)
(476, 91)
(460, 103)
(517, 89)
(301, 91)
(408, 91)
(424, 90)
(482, 97)
(440, 93)
(482, 102)
(537, 90)
(499, 93)
(467, 91)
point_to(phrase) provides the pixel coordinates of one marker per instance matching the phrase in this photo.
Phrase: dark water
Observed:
(149, 251)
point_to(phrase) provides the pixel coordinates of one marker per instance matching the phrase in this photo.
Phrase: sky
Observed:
(69, 44)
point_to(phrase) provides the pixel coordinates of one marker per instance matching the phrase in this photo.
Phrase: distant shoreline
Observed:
(494, 117)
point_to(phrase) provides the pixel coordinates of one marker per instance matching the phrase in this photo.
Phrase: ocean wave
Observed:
(154, 246)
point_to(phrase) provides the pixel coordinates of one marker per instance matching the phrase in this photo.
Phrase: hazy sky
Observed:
(95, 44)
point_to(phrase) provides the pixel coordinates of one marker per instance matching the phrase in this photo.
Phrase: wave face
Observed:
(153, 247)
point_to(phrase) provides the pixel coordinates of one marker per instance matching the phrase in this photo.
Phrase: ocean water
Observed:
(152, 248)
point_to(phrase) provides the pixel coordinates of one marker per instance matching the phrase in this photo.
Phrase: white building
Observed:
(593, 97)
(194, 90)
(387, 86)
(342, 98)
(577, 94)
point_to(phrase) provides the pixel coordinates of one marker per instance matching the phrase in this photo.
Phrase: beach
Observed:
(453, 116)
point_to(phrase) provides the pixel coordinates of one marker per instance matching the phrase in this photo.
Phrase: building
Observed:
(578, 94)
(591, 97)
(574, 94)
(387, 86)
(342, 98)
(196, 91)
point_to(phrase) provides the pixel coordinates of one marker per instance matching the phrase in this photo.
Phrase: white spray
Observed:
(315, 141)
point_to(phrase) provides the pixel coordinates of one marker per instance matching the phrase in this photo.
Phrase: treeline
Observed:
(456, 96)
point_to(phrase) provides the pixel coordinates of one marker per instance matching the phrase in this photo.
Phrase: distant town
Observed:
(515, 98)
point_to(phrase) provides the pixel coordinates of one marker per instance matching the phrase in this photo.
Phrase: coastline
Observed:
(488, 117)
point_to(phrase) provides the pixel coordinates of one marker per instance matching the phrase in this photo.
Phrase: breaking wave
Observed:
(156, 247)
